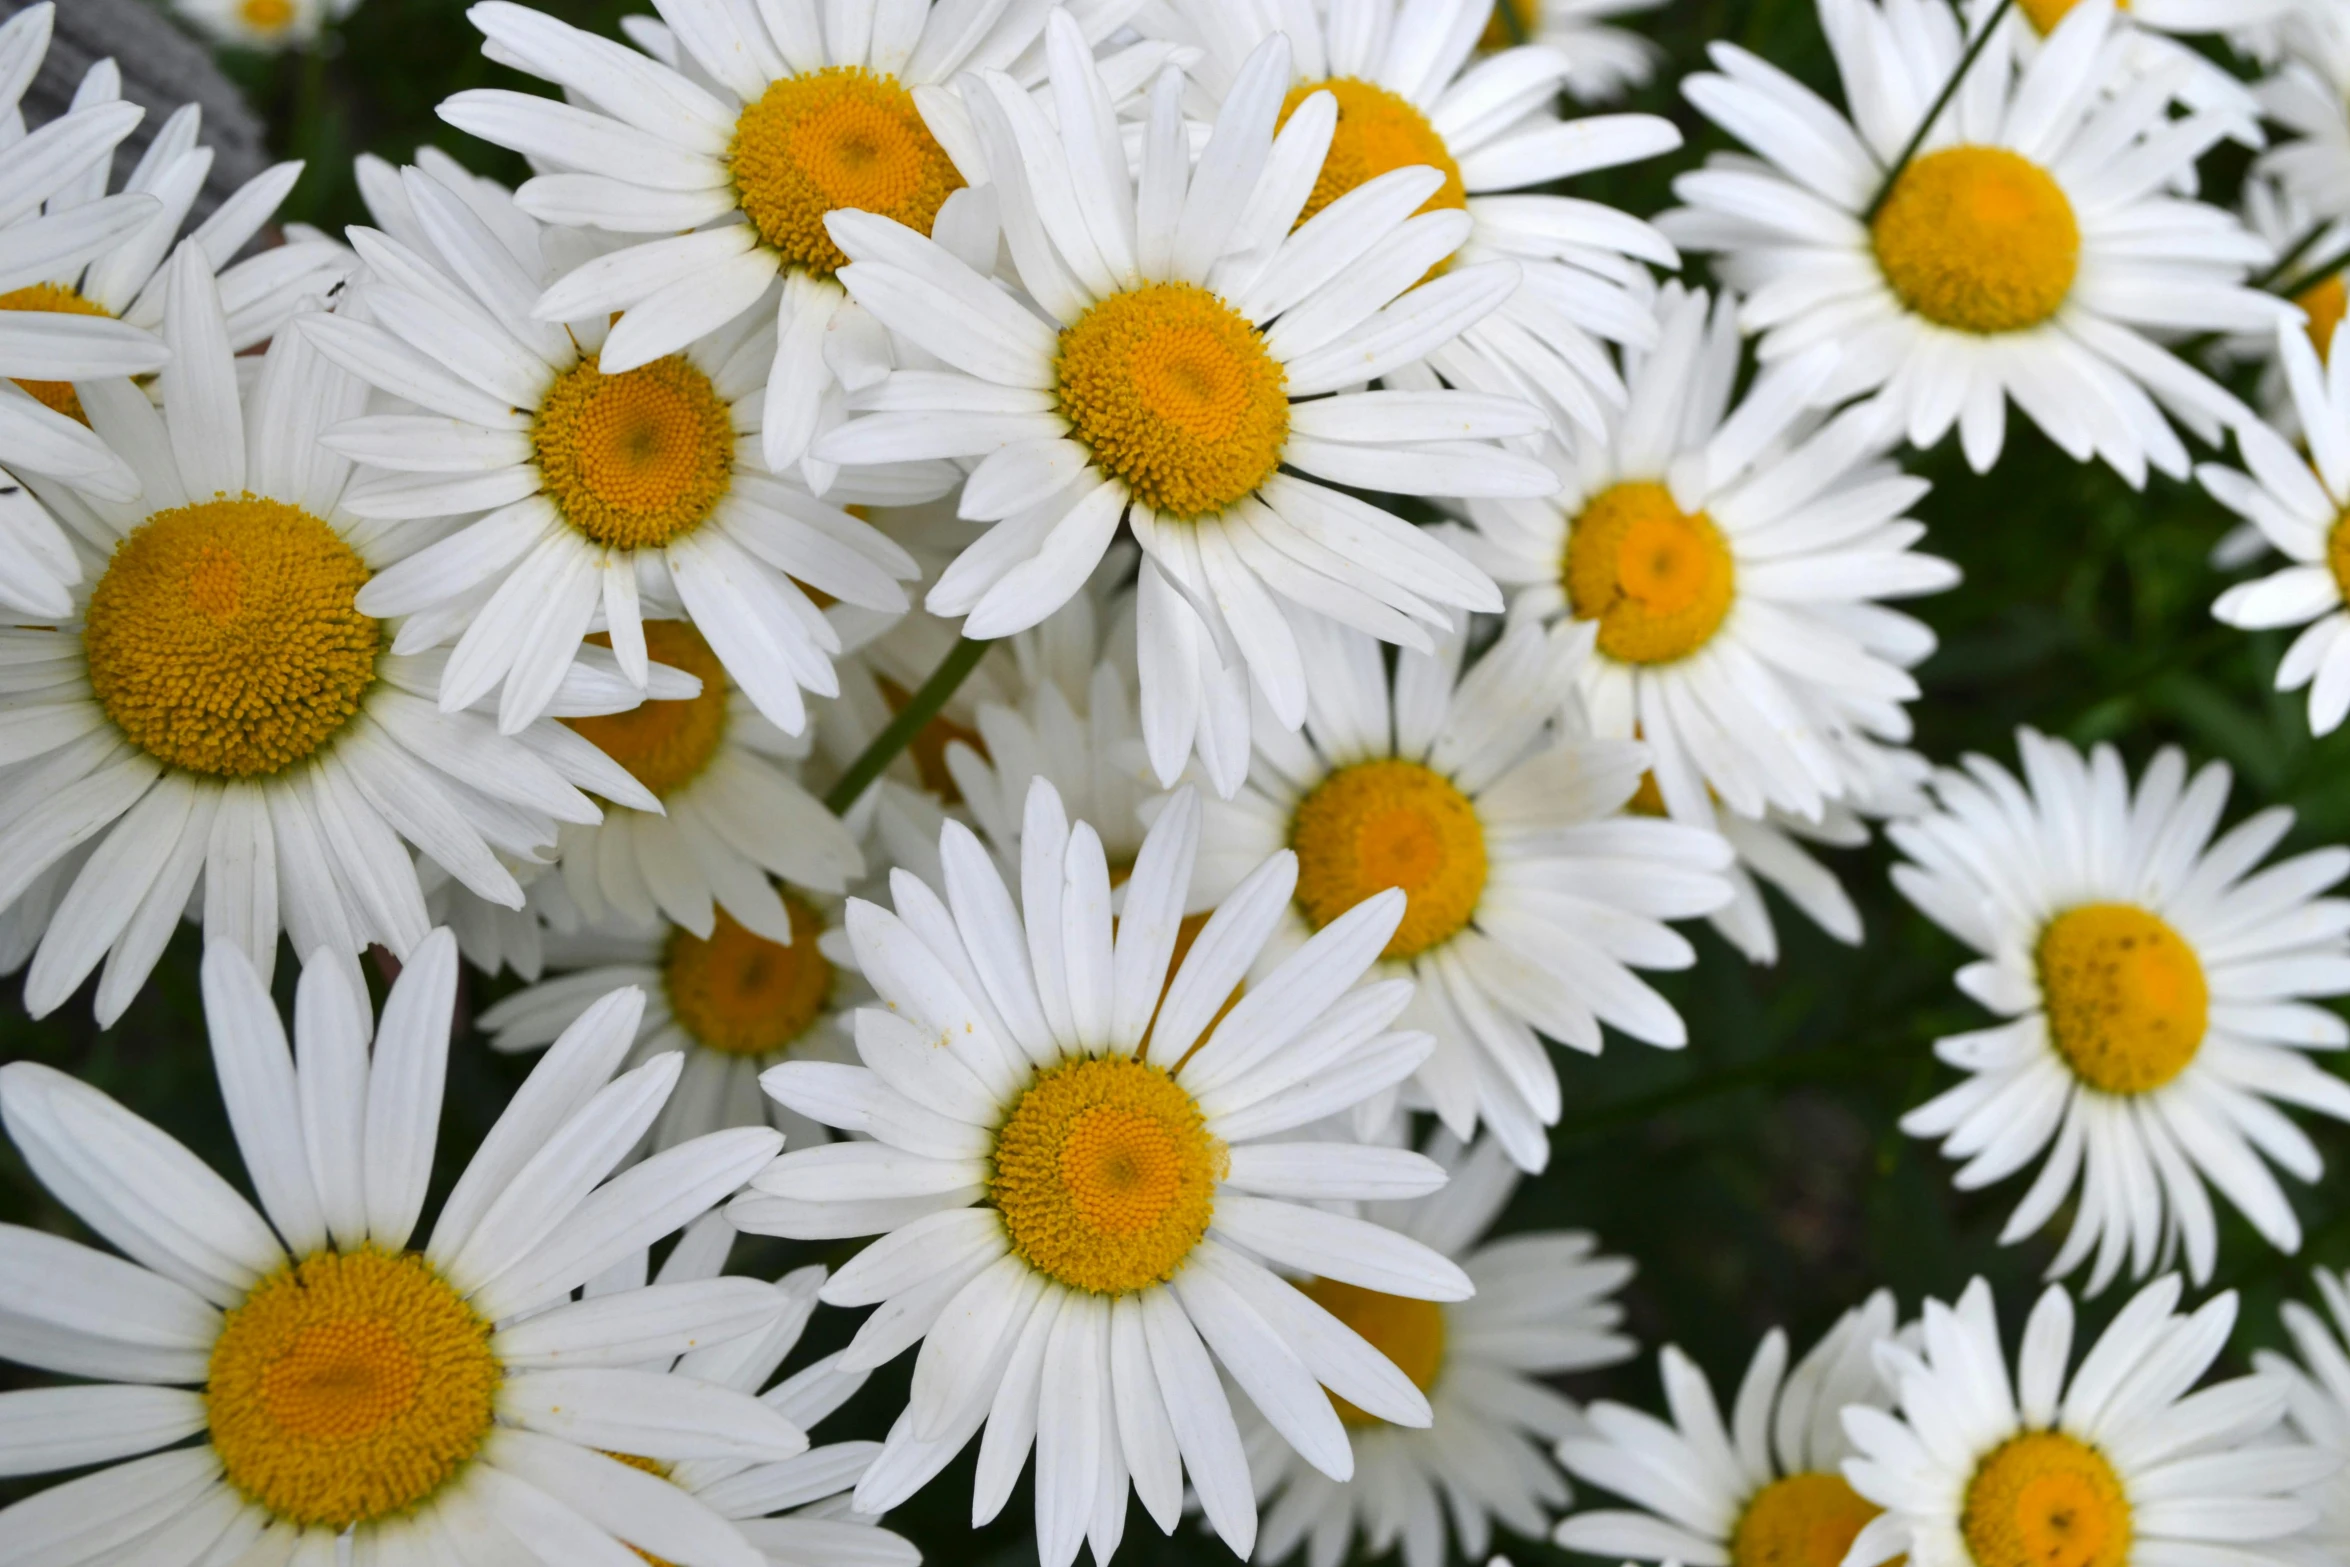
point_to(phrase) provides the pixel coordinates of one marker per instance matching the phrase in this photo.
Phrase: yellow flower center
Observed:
(637, 459)
(2126, 998)
(743, 995)
(1377, 133)
(1106, 1174)
(1658, 580)
(1390, 823)
(840, 137)
(2045, 14)
(1524, 16)
(665, 745)
(1174, 394)
(224, 639)
(2338, 554)
(1978, 239)
(1648, 799)
(2327, 303)
(57, 299)
(267, 16)
(349, 1386)
(2044, 1499)
(1803, 1520)
(1408, 1332)
(928, 748)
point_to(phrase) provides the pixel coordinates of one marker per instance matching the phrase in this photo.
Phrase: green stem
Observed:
(920, 709)
(1511, 22)
(1917, 138)
(2317, 274)
(2284, 266)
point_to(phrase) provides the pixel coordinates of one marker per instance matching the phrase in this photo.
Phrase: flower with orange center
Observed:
(838, 137)
(1660, 581)
(1978, 239)
(57, 299)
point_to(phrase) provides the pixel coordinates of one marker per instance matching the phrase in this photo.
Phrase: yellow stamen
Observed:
(2045, 1499)
(928, 748)
(1978, 239)
(1106, 1174)
(743, 995)
(1803, 1520)
(2045, 14)
(57, 299)
(1377, 133)
(1173, 393)
(841, 137)
(666, 745)
(2126, 998)
(1390, 823)
(2327, 303)
(637, 459)
(348, 1387)
(1648, 799)
(224, 637)
(267, 16)
(1658, 580)
(2338, 554)
(1408, 1332)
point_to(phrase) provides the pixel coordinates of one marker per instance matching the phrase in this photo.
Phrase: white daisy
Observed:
(1732, 560)
(2115, 1462)
(1542, 1309)
(1073, 1188)
(1759, 1490)
(413, 1406)
(263, 24)
(218, 705)
(2155, 991)
(767, 123)
(1412, 88)
(2027, 251)
(2317, 1405)
(609, 496)
(732, 1002)
(2306, 97)
(1603, 62)
(1530, 896)
(1177, 381)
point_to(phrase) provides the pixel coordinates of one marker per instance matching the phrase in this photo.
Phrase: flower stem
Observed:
(899, 733)
(2285, 263)
(1917, 138)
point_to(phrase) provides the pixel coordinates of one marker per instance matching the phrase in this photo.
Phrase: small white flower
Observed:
(2317, 1402)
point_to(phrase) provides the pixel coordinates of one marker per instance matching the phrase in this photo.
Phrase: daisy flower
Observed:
(2114, 1461)
(2155, 992)
(1732, 562)
(766, 125)
(1073, 1188)
(2026, 252)
(2306, 97)
(263, 24)
(349, 1392)
(1529, 896)
(731, 1002)
(1603, 62)
(1412, 88)
(1760, 1490)
(2317, 1404)
(1543, 1308)
(219, 705)
(2147, 42)
(595, 495)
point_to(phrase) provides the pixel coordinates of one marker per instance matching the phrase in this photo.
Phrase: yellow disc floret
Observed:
(2326, 303)
(2044, 1499)
(56, 299)
(1377, 133)
(1803, 1520)
(349, 1387)
(1390, 823)
(841, 137)
(224, 637)
(1173, 393)
(2045, 14)
(1978, 239)
(665, 745)
(637, 459)
(1408, 1332)
(1658, 580)
(743, 995)
(1106, 1174)
(2126, 998)
(2338, 555)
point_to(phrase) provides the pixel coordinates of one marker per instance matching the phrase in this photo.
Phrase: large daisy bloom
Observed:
(1543, 1308)
(596, 497)
(731, 1002)
(2155, 991)
(1761, 1489)
(1604, 62)
(220, 707)
(1188, 375)
(2117, 1462)
(768, 123)
(1530, 895)
(1075, 1192)
(431, 1405)
(2298, 504)
(1412, 88)
(2317, 1395)
(1733, 562)
(2027, 252)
